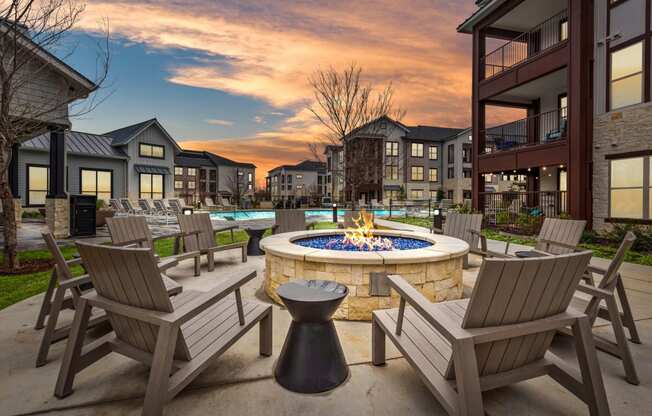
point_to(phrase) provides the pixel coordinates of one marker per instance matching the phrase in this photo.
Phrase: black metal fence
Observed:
(538, 129)
(522, 212)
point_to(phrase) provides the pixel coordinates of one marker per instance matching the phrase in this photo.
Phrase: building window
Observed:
(466, 172)
(299, 177)
(563, 106)
(178, 171)
(391, 172)
(391, 148)
(417, 173)
(433, 175)
(629, 188)
(96, 182)
(178, 184)
(191, 185)
(192, 172)
(433, 195)
(466, 194)
(299, 187)
(626, 79)
(433, 152)
(393, 194)
(250, 177)
(416, 194)
(563, 29)
(250, 187)
(417, 150)
(37, 185)
(153, 151)
(466, 153)
(451, 153)
(451, 194)
(151, 186)
(451, 173)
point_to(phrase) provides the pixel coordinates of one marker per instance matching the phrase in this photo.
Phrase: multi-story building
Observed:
(201, 174)
(300, 182)
(386, 159)
(457, 167)
(580, 71)
(334, 172)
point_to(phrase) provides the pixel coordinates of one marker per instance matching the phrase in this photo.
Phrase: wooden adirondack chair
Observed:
(557, 236)
(288, 220)
(601, 303)
(466, 227)
(199, 235)
(177, 337)
(349, 216)
(134, 232)
(63, 292)
(500, 336)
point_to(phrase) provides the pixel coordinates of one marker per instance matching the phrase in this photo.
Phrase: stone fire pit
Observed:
(435, 269)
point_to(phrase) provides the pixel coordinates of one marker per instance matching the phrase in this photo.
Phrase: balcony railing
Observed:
(522, 212)
(527, 45)
(538, 129)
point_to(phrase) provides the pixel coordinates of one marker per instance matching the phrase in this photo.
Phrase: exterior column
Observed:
(57, 210)
(13, 182)
(580, 114)
(478, 117)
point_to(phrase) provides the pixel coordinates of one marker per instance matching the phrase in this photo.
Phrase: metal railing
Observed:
(527, 45)
(538, 129)
(522, 212)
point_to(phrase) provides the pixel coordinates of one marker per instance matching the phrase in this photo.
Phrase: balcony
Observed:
(522, 212)
(527, 46)
(544, 128)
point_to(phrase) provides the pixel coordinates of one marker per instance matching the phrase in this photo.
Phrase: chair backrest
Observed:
(512, 291)
(350, 216)
(225, 201)
(63, 271)
(288, 220)
(144, 205)
(174, 205)
(208, 201)
(126, 203)
(129, 230)
(567, 232)
(116, 205)
(158, 204)
(201, 222)
(130, 276)
(609, 279)
(460, 226)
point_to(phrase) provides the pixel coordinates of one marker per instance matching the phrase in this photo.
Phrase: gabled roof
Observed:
(79, 143)
(431, 133)
(485, 7)
(124, 135)
(385, 118)
(196, 158)
(305, 166)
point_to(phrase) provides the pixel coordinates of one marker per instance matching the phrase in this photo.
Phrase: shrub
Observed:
(31, 214)
(643, 234)
(502, 217)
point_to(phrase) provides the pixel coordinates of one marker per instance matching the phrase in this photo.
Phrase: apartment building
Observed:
(298, 183)
(579, 72)
(457, 167)
(334, 172)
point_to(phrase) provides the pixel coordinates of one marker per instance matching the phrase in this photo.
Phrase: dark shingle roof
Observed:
(202, 158)
(124, 135)
(306, 165)
(431, 133)
(79, 143)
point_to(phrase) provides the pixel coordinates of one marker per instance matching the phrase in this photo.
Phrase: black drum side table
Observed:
(312, 360)
(253, 246)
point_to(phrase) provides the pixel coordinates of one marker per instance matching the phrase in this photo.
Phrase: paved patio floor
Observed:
(241, 383)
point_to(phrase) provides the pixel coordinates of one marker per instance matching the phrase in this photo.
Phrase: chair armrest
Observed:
(75, 282)
(448, 328)
(140, 314)
(498, 255)
(222, 229)
(200, 303)
(593, 291)
(549, 243)
(483, 240)
(164, 236)
(74, 262)
(596, 269)
(167, 264)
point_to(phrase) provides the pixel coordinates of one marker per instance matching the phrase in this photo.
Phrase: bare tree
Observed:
(28, 28)
(236, 186)
(345, 105)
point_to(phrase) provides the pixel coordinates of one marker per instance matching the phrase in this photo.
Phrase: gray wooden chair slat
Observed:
(567, 232)
(177, 338)
(500, 336)
(289, 220)
(466, 227)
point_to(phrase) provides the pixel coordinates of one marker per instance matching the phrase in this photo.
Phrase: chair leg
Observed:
(210, 256)
(467, 378)
(594, 393)
(46, 305)
(628, 317)
(156, 395)
(621, 340)
(197, 261)
(378, 355)
(265, 334)
(46, 341)
(232, 236)
(244, 254)
(70, 360)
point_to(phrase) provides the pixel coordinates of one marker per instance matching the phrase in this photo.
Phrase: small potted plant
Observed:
(102, 213)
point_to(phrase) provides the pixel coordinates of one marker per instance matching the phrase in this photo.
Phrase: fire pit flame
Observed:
(362, 236)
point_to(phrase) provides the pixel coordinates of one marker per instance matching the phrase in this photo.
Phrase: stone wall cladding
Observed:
(57, 216)
(437, 281)
(620, 131)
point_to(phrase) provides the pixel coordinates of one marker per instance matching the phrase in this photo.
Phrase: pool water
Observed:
(320, 214)
(336, 242)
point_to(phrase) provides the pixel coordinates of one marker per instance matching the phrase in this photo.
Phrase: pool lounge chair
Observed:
(129, 208)
(209, 204)
(500, 336)
(376, 205)
(177, 338)
(117, 207)
(225, 203)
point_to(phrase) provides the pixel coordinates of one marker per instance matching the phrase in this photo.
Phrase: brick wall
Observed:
(620, 131)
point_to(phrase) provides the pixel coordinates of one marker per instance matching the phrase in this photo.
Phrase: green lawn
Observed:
(15, 288)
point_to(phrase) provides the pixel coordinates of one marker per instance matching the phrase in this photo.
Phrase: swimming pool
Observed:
(325, 214)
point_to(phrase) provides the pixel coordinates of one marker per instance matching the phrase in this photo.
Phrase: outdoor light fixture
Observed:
(561, 166)
(187, 211)
(335, 213)
(544, 168)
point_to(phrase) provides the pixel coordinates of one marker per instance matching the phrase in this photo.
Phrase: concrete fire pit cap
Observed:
(443, 248)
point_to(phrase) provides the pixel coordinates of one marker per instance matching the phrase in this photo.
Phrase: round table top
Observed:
(528, 254)
(255, 228)
(312, 291)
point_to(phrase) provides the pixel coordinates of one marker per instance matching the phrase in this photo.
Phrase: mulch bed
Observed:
(28, 266)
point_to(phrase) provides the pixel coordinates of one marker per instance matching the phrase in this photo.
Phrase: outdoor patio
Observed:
(241, 382)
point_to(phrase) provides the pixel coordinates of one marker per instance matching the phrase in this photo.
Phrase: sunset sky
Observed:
(231, 76)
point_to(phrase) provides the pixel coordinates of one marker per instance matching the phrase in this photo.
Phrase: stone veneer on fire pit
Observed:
(436, 271)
